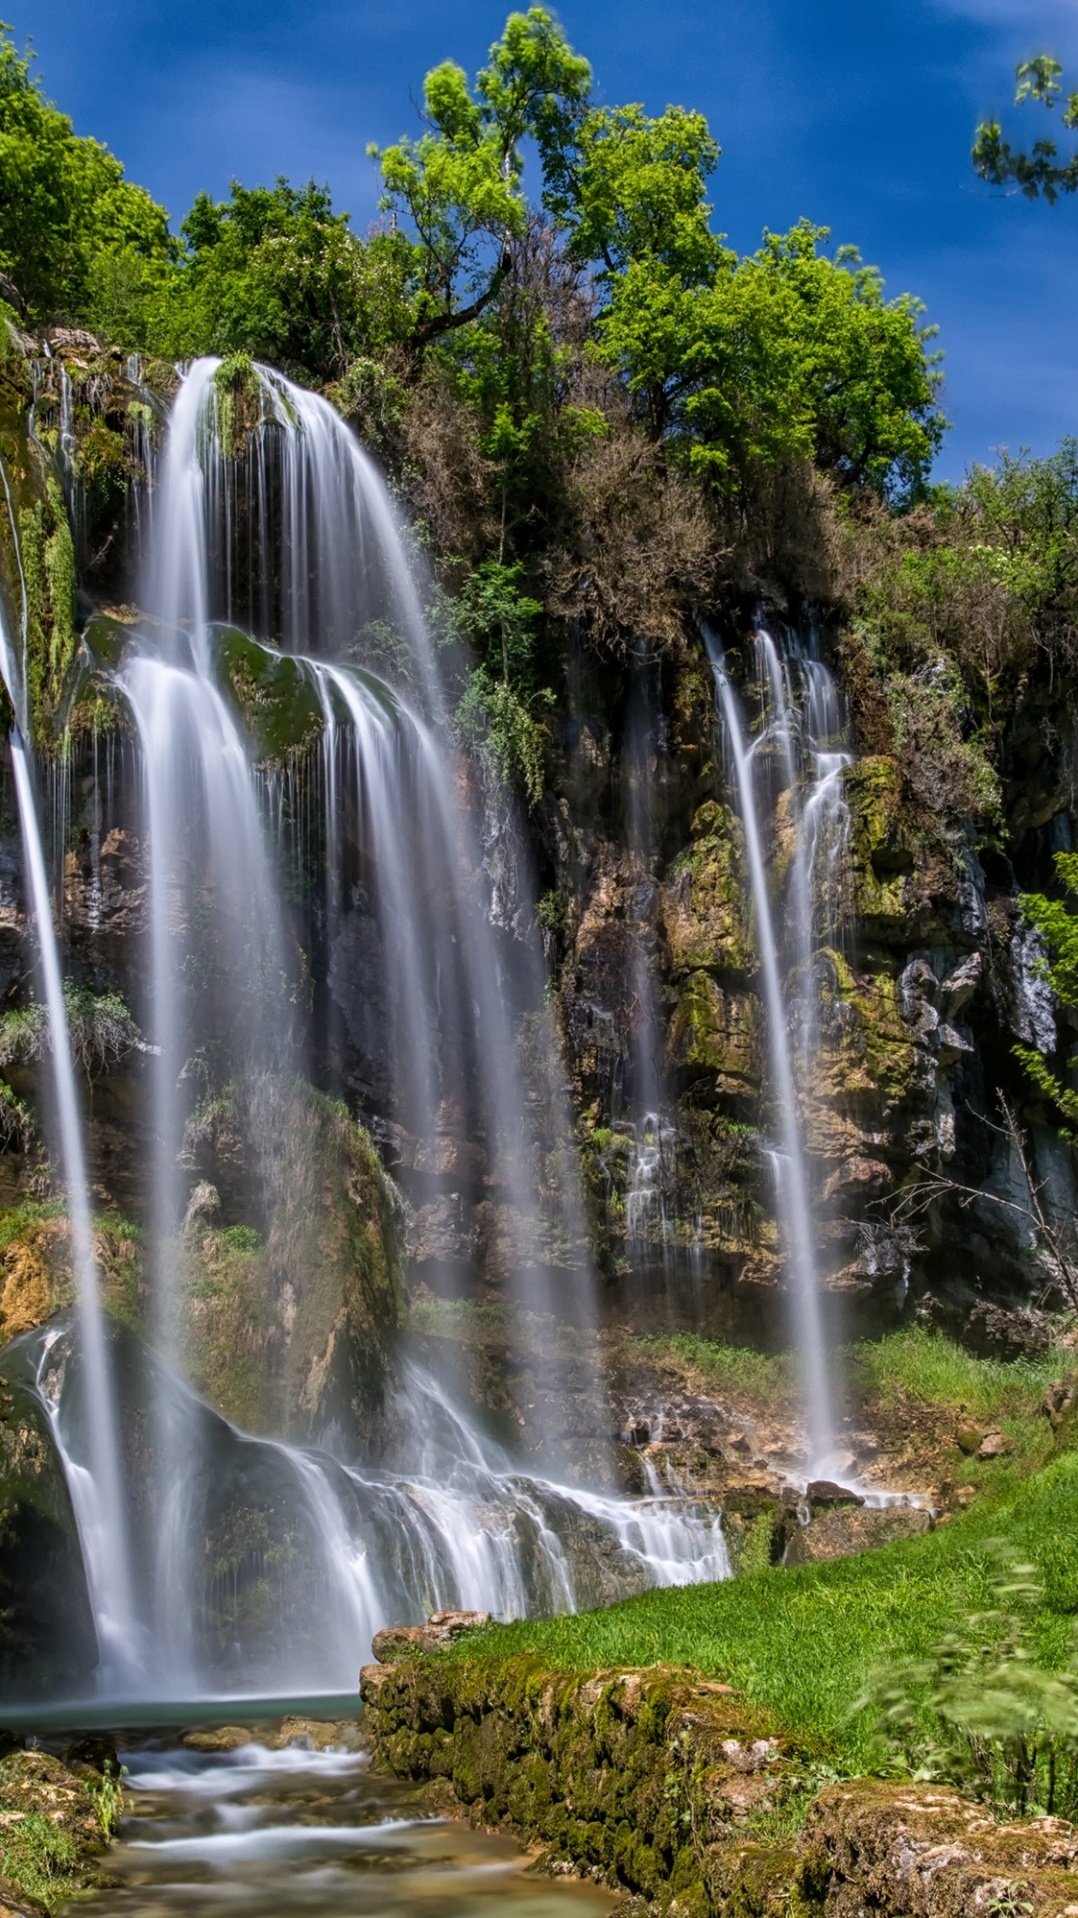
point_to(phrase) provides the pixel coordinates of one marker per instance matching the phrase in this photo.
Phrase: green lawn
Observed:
(802, 1642)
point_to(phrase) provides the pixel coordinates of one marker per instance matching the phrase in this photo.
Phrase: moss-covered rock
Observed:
(55, 1824)
(631, 1774)
(275, 694)
(47, 1639)
(292, 1314)
(665, 1784)
(715, 1031)
(704, 901)
(37, 1276)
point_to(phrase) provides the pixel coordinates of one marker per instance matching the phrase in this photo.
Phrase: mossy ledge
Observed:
(671, 1787)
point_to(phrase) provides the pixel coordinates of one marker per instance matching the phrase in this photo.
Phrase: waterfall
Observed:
(814, 906)
(95, 1481)
(266, 512)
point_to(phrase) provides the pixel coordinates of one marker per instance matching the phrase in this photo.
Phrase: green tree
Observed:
(274, 272)
(67, 213)
(785, 355)
(1039, 171)
(458, 187)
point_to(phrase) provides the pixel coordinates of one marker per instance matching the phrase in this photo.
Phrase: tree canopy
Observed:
(69, 219)
(790, 354)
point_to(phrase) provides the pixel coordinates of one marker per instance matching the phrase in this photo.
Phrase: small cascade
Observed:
(96, 1481)
(651, 1216)
(345, 1549)
(793, 737)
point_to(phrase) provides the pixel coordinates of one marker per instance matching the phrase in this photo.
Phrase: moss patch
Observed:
(36, 1275)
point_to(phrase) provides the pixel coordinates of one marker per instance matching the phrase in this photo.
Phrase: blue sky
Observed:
(856, 113)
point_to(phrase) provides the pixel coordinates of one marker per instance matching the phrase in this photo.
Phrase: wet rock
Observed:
(97, 1752)
(958, 988)
(441, 1629)
(218, 1738)
(844, 1533)
(448, 1625)
(315, 1735)
(824, 1495)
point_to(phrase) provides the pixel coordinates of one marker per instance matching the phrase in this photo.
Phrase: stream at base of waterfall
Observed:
(272, 1832)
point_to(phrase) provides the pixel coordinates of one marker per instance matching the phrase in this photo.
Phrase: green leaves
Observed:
(457, 187)
(1057, 922)
(64, 202)
(977, 1710)
(1039, 172)
(635, 191)
(786, 355)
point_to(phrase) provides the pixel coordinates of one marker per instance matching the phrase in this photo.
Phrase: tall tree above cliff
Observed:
(458, 186)
(1039, 172)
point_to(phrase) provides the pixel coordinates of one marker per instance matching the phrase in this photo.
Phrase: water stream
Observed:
(97, 1490)
(270, 1832)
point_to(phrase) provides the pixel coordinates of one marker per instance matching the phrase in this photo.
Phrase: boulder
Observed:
(824, 1494)
(843, 1532)
(440, 1629)
(993, 1445)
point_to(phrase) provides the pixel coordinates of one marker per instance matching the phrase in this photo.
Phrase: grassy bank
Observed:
(803, 1642)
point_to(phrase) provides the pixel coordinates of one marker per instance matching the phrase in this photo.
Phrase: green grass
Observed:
(729, 1368)
(926, 1366)
(41, 1860)
(802, 1642)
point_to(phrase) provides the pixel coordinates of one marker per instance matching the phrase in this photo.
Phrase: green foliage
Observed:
(502, 712)
(978, 1710)
(785, 355)
(100, 1027)
(1040, 171)
(637, 192)
(496, 720)
(457, 188)
(107, 1793)
(499, 620)
(276, 274)
(40, 1858)
(920, 1364)
(720, 1367)
(1057, 922)
(69, 220)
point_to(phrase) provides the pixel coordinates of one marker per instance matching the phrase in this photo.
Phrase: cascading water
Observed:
(653, 1162)
(95, 1478)
(814, 911)
(291, 531)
